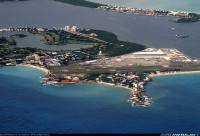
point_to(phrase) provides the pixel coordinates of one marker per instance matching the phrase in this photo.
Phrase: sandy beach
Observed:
(174, 73)
(114, 85)
(40, 68)
(152, 75)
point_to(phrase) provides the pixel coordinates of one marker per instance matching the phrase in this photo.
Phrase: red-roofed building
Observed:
(76, 80)
(65, 81)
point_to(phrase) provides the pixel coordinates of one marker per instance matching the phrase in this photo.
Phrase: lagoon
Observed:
(36, 41)
(152, 31)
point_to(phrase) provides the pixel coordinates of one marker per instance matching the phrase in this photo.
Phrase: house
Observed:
(65, 81)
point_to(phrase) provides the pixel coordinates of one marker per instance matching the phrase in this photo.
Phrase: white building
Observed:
(74, 29)
(33, 57)
(67, 28)
(100, 53)
(40, 29)
(157, 53)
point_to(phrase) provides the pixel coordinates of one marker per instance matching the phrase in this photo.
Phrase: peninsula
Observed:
(101, 40)
(110, 61)
(185, 17)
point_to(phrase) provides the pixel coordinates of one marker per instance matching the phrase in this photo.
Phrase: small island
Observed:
(18, 36)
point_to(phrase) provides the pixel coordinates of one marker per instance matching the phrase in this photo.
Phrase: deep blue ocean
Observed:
(26, 106)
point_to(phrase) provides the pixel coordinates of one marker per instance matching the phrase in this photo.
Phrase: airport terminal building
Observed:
(149, 54)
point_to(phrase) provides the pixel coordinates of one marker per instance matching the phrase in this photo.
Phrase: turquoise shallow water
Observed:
(28, 107)
(174, 5)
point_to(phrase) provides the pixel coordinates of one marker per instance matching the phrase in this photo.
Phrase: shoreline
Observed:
(98, 4)
(110, 84)
(150, 75)
(37, 67)
(174, 73)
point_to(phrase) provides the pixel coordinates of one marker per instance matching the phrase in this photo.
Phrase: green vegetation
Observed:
(52, 68)
(81, 73)
(187, 20)
(194, 65)
(83, 3)
(50, 38)
(78, 42)
(186, 70)
(61, 38)
(193, 17)
(15, 53)
(91, 72)
(14, 56)
(5, 41)
(176, 65)
(147, 66)
(18, 36)
(114, 47)
(103, 35)
(169, 70)
(106, 42)
(92, 75)
(7, 53)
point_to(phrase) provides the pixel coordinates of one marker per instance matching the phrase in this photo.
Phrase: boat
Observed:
(181, 36)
